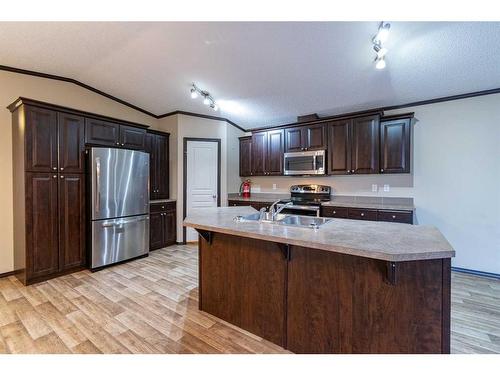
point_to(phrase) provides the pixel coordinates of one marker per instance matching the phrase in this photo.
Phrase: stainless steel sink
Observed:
(289, 220)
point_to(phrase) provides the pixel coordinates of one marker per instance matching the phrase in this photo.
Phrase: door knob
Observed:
(214, 196)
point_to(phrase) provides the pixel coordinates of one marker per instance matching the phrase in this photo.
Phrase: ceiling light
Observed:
(381, 51)
(206, 101)
(380, 63)
(194, 93)
(207, 98)
(214, 107)
(383, 33)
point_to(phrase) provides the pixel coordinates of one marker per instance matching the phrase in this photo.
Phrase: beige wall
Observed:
(455, 180)
(12, 86)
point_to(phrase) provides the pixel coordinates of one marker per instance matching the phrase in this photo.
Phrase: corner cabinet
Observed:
(157, 144)
(49, 193)
(267, 150)
(395, 146)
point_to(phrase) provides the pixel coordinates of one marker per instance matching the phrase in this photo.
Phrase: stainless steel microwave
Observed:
(305, 163)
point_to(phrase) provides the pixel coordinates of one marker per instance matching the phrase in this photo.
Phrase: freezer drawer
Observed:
(119, 239)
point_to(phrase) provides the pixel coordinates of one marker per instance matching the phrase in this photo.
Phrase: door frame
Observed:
(184, 173)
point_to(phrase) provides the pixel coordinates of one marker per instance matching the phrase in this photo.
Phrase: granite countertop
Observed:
(378, 203)
(378, 240)
(162, 201)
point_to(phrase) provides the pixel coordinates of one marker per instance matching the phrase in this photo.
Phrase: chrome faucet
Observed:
(274, 212)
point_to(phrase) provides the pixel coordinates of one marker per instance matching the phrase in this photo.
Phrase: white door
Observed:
(201, 184)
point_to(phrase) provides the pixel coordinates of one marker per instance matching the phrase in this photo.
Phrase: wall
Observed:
(455, 181)
(13, 85)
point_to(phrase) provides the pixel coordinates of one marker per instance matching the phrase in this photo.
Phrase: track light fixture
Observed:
(381, 37)
(207, 98)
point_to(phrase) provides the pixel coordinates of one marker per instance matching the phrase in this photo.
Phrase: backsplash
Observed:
(400, 185)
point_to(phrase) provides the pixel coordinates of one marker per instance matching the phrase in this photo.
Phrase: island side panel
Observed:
(242, 281)
(344, 304)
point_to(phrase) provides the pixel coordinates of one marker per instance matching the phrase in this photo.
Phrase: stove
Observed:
(306, 199)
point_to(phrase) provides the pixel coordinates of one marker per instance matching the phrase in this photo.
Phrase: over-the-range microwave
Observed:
(304, 163)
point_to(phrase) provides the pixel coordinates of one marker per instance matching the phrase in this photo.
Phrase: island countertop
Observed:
(377, 240)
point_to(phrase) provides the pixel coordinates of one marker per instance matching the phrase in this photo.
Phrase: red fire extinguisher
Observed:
(245, 189)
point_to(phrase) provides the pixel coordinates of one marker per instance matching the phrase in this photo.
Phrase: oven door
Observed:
(300, 210)
(304, 163)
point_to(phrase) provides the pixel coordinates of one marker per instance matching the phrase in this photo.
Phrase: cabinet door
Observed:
(365, 145)
(274, 158)
(339, 147)
(395, 146)
(245, 157)
(150, 148)
(71, 140)
(294, 139)
(259, 153)
(170, 228)
(103, 133)
(42, 253)
(162, 167)
(315, 137)
(132, 138)
(41, 140)
(156, 231)
(71, 221)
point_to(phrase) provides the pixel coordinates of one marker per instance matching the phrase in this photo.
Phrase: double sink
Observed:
(282, 219)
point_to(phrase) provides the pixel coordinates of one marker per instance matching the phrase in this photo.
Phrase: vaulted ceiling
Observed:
(260, 73)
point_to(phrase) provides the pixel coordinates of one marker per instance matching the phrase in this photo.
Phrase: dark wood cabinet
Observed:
(157, 144)
(339, 147)
(72, 221)
(395, 216)
(42, 220)
(267, 153)
(395, 146)
(162, 225)
(41, 139)
(245, 156)
(353, 146)
(102, 133)
(275, 151)
(365, 145)
(132, 137)
(71, 131)
(305, 138)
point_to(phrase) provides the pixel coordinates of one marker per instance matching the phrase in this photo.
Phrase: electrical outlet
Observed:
(387, 187)
(374, 187)
(274, 186)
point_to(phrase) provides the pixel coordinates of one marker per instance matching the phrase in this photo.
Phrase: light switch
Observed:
(374, 187)
(274, 186)
(387, 187)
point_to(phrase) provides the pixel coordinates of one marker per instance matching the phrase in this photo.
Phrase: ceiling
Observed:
(260, 73)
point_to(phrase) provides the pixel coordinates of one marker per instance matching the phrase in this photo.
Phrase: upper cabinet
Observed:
(156, 143)
(41, 139)
(395, 146)
(71, 130)
(106, 133)
(305, 138)
(245, 156)
(353, 146)
(267, 150)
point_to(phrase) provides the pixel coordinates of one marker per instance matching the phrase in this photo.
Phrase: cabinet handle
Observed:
(54, 168)
(362, 214)
(62, 176)
(382, 170)
(393, 216)
(54, 176)
(123, 144)
(118, 143)
(334, 212)
(62, 169)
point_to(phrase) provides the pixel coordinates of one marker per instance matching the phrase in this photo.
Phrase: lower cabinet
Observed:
(256, 205)
(395, 216)
(55, 226)
(162, 225)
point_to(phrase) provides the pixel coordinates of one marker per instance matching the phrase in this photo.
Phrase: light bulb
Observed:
(194, 94)
(380, 63)
(206, 101)
(382, 34)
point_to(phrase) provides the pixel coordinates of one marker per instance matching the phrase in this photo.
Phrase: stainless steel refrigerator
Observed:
(120, 205)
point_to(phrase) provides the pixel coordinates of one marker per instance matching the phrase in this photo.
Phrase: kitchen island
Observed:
(347, 287)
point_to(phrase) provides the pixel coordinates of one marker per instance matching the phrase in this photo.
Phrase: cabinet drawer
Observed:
(239, 203)
(338, 212)
(396, 216)
(161, 207)
(362, 214)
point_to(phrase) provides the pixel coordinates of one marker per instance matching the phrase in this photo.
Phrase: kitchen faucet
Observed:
(274, 212)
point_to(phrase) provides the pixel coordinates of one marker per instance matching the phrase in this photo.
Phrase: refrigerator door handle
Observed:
(98, 184)
(123, 222)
